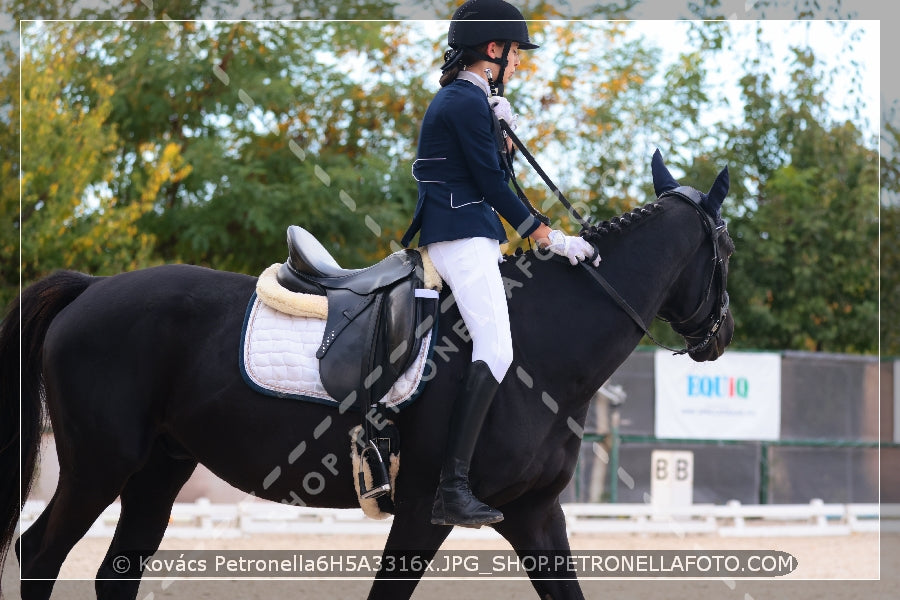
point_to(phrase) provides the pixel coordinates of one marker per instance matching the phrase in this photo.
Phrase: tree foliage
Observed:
(68, 219)
(806, 276)
(890, 235)
(200, 141)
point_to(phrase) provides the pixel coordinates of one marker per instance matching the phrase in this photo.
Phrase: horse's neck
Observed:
(569, 328)
(644, 263)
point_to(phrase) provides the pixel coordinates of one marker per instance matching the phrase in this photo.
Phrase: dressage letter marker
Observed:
(672, 480)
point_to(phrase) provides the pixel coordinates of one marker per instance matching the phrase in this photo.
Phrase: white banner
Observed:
(737, 397)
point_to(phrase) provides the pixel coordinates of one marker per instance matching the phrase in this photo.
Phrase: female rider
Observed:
(462, 188)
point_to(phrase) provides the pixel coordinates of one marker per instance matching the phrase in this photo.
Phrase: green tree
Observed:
(890, 236)
(260, 125)
(69, 218)
(279, 128)
(145, 104)
(9, 173)
(805, 273)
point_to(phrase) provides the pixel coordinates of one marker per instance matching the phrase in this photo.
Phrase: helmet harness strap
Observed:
(503, 61)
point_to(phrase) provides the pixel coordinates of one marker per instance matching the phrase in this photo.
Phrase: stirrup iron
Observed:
(381, 481)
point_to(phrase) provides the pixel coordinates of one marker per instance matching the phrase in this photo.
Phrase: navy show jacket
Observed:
(461, 184)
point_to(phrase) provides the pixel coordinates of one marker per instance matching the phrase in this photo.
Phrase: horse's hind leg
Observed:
(147, 501)
(78, 501)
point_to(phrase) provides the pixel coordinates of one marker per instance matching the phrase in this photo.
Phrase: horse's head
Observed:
(706, 324)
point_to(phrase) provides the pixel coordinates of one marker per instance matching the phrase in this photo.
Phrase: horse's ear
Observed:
(662, 179)
(719, 189)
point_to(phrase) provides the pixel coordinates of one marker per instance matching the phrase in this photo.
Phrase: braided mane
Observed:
(617, 224)
(614, 225)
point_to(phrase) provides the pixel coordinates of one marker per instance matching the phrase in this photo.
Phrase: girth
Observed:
(377, 316)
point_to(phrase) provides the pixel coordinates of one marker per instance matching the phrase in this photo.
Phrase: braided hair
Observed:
(456, 60)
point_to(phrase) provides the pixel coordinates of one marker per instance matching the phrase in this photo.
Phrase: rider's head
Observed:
(474, 27)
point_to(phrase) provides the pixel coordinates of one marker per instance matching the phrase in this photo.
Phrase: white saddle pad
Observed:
(278, 357)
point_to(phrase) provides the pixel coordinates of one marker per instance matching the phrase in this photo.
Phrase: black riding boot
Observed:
(454, 503)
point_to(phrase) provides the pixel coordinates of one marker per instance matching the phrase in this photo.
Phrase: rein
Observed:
(687, 194)
(534, 164)
(507, 131)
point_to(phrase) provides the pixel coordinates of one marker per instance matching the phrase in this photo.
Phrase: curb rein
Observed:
(689, 195)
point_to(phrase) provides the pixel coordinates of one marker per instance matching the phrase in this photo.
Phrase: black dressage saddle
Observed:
(377, 316)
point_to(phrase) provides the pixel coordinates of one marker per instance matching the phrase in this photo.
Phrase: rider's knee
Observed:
(499, 361)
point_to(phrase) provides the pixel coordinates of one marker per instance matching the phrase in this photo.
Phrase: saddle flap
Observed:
(344, 308)
(370, 341)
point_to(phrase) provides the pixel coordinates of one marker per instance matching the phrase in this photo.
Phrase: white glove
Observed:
(503, 110)
(573, 247)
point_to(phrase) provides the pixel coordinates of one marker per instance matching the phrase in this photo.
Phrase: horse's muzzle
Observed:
(718, 343)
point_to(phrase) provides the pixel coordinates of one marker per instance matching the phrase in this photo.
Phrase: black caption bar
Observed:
(327, 564)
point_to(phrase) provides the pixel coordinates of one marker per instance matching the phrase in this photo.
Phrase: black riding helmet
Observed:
(478, 22)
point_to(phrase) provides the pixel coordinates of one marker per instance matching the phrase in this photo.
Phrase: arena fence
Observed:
(614, 441)
(203, 519)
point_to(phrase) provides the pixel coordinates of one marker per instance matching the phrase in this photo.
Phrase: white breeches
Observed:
(471, 268)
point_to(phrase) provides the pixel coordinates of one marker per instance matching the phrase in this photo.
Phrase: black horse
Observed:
(139, 373)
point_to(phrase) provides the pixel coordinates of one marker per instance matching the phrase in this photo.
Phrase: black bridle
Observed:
(709, 326)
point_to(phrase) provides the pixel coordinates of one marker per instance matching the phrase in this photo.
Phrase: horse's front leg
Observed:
(411, 544)
(537, 529)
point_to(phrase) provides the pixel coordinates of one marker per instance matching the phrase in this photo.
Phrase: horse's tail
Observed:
(21, 420)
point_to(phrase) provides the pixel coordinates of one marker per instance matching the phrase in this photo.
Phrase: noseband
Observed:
(711, 323)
